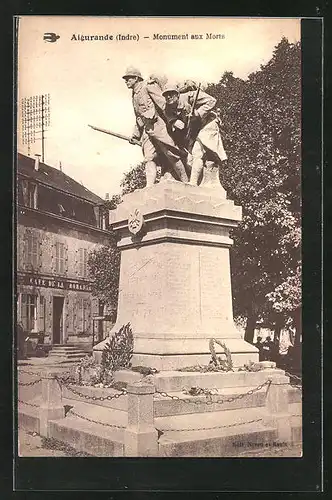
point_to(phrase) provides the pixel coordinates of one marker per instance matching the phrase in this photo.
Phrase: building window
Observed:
(84, 315)
(31, 249)
(29, 311)
(60, 258)
(83, 262)
(29, 194)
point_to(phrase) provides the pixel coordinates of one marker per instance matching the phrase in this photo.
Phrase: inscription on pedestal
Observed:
(215, 305)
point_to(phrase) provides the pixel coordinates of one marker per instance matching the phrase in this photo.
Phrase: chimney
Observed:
(60, 166)
(37, 162)
(107, 197)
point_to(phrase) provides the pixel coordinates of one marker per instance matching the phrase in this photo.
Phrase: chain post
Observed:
(278, 407)
(141, 436)
(51, 407)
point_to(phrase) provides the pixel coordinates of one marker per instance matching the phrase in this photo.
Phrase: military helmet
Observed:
(170, 88)
(187, 86)
(131, 71)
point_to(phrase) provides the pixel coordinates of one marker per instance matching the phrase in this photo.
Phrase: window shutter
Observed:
(66, 251)
(42, 313)
(62, 258)
(85, 262)
(34, 250)
(80, 315)
(22, 249)
(57, 258)
(66, 316)
(27, 246)
(87, 315)
(75, 263)
(54, 257)
(74, 311)
(49, 308)
(24, 310)
(80, 256)
(40, 252)
(25, 192)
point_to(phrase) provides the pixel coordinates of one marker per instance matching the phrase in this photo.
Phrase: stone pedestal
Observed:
(175, 283)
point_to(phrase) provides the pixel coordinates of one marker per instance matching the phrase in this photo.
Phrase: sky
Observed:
(84, 78)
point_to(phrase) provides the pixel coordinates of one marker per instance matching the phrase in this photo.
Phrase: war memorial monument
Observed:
(175, 292)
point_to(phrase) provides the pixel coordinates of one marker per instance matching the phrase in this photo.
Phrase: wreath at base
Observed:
(218, 362)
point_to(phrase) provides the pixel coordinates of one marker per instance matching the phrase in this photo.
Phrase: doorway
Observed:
(58, 320)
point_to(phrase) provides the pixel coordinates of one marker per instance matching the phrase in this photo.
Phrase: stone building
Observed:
(59, 222)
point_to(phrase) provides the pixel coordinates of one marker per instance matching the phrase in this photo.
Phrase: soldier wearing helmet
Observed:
(204, 141)
(150, 128)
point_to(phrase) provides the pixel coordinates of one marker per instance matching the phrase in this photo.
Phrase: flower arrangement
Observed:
(117, 353)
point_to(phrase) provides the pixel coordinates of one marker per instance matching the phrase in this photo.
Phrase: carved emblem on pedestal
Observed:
(135, 221)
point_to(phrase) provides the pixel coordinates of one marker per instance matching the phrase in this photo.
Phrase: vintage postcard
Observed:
(159, 237)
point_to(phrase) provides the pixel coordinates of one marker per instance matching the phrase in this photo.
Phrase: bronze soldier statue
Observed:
(194, 126)
(150, 128)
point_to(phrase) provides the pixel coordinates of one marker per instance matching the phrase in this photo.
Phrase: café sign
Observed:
(50, 282)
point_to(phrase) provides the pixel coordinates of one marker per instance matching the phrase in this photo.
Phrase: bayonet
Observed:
(115, 134)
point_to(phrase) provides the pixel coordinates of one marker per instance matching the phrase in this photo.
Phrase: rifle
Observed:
(191, 114)
(175, 149)
(115, 134)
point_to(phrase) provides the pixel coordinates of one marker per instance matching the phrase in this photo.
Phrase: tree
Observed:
(104, 267)
(134, 179)
(262, 131)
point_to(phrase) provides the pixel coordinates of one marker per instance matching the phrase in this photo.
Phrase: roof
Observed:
(55, 178)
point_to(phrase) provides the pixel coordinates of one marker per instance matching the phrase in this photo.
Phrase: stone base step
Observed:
(69, 355)
(214, 436)
(100, 432)
(84, 436)
(218, 419)
(66, 353)
(172, 381)
(28, 418)
(229, 398)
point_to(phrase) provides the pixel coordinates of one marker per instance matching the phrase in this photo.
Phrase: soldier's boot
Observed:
(180, 171)
(150, 173)
(196, 171)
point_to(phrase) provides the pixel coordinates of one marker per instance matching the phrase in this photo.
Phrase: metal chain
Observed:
(63, 380)
(288, 383)
(291, 375)
(95, 421)
(30, 383)
(93, 398)
(218, 401)
(209, 428)
(26, 403)
(29, 373)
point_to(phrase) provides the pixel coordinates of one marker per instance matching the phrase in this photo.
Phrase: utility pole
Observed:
(35, 120)
(42, 128)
